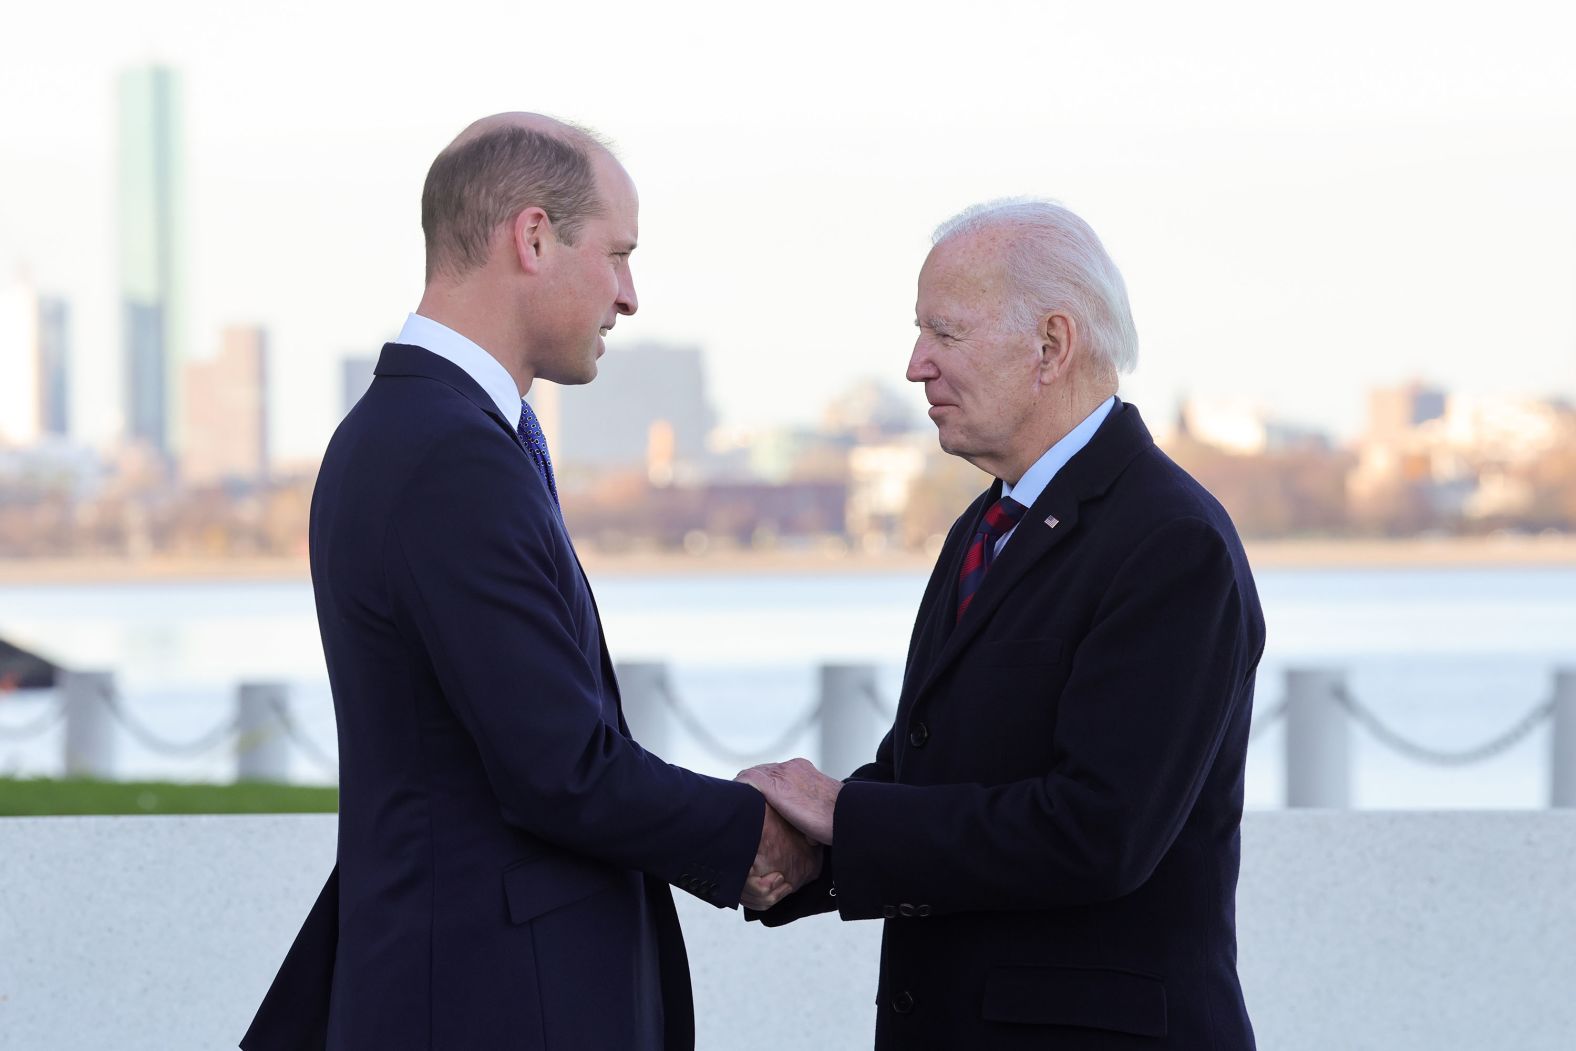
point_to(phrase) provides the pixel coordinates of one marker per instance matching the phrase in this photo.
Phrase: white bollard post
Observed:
(1562, 757)
(1318, 740)
(262, 749)
(850, 724)
(90, 728)
(643, 685)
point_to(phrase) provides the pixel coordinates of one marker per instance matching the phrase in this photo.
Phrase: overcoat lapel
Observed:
(1052, 518)
(939, 614)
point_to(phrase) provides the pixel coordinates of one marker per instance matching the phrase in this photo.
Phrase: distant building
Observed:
(54, 366)
(647, 404)
(355, 376)
(1394, 411)
(872, 410)
(227, 417)
(151, 212)
(20, 418)
(880, 481)
(1245, 429)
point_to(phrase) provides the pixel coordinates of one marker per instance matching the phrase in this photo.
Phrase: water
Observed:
(1449, 657)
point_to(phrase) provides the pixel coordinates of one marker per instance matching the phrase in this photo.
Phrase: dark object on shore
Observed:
(21, 670)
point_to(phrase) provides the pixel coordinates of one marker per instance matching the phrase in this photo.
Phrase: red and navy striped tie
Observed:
(1002, 516)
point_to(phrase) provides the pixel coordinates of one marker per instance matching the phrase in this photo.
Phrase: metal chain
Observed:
(1268, 719)
(874, 697)
(697, 729)
(1493, 747)
(45, 721)
(301, 740)
(178, 749)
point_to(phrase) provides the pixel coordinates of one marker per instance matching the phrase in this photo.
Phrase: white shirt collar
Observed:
(1037, 477)
(479, 365)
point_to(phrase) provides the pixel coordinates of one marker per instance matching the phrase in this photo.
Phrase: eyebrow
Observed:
(937, 323)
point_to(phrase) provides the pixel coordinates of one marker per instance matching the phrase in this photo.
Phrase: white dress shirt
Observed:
(479, 365)
(1037, 477)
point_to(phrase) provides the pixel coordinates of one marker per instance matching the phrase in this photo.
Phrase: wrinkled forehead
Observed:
(971, 267)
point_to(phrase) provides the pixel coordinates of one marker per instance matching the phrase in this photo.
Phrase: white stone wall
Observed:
(1358, 931)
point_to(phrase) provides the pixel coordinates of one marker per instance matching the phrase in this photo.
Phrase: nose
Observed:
(920, 365)
(627, 302)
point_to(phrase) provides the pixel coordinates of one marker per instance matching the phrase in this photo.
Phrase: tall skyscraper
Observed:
(152, 216)
(54, 366)
(227, 411)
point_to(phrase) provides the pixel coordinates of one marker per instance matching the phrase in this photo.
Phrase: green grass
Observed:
(31, 797)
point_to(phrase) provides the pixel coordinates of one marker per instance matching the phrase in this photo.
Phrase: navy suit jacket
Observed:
(504, 846)
(1050, 829)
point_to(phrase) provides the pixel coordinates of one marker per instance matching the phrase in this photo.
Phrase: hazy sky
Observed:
(1305, 201)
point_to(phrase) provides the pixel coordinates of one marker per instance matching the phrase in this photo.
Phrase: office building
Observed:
(152, 217)
(227, 411)
(647, 403)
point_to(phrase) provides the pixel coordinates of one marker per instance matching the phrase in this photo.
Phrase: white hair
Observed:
(1057, 263)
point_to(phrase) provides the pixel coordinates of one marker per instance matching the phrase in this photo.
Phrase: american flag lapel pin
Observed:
(1052, 521)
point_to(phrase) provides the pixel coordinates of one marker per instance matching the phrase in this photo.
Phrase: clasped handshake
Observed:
(799, 805)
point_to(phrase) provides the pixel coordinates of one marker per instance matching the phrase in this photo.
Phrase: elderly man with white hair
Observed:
(1051, 827)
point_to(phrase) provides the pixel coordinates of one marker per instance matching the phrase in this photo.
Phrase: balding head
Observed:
(1054, 261)
(495, 169)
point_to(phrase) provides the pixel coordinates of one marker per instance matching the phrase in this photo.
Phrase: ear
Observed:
(529, 234)
(1058, 335)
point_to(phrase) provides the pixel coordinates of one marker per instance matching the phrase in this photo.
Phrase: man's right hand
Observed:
(785, 861)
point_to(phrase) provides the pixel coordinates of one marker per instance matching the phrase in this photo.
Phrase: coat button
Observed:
(905, 909)
(890, 912)
(903, 1003)
(919, 735)
(922, 911)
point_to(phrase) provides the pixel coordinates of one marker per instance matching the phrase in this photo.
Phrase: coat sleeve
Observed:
(1152, 688)
(470, 567)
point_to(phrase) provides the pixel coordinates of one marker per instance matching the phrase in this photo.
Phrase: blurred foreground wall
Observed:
(1358, 930)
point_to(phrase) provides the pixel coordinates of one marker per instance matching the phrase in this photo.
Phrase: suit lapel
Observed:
(1052, 518)
(936, 618)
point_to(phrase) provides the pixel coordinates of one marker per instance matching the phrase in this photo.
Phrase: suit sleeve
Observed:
(1152, 688)
(470, 562)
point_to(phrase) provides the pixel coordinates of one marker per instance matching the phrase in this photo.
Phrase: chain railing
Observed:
(299, 738)
(161, 745)
(40, 724)
(692, 725)
(97, 693)
(1394, 740)
(1315, 710)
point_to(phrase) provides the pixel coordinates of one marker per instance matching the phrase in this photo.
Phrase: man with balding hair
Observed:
(1050, 829)
(505, 847)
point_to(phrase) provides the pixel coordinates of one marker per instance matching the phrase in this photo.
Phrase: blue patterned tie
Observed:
(535, 442)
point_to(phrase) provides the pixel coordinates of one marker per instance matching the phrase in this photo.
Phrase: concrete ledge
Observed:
(1358, 930)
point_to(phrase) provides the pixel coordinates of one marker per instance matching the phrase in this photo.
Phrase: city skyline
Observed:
(1301, 213)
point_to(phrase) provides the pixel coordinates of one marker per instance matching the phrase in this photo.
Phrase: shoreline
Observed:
(1429, 553)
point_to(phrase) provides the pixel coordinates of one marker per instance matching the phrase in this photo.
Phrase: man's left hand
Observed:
(800, 792)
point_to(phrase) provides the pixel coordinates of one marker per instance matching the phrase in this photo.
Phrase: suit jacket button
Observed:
(919, 735)
(903, 1003)
(890, 912)
(922, 911)
(905, 909)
